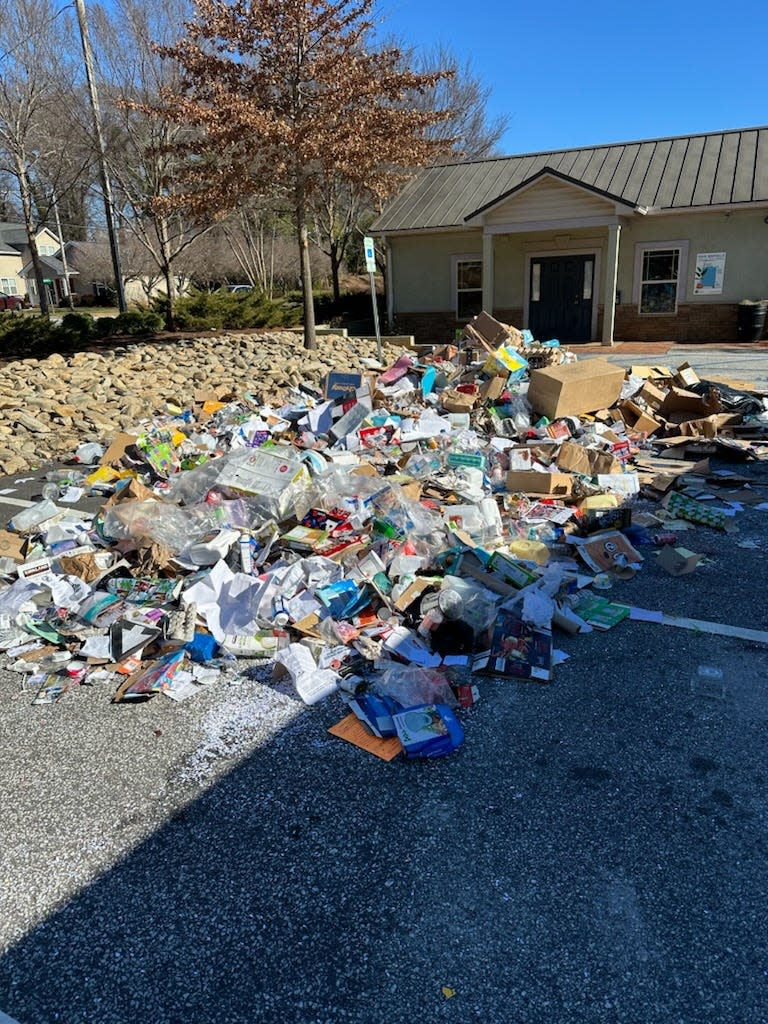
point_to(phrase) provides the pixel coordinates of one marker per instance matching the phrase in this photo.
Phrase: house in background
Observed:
(92, 263)
(15, 256)
(651, 240)
(54, 279)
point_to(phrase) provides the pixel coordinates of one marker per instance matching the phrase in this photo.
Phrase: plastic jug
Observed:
(28, 518)
(530, 551)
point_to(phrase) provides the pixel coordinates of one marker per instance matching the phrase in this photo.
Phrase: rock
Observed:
(14, 464)
(30, 423)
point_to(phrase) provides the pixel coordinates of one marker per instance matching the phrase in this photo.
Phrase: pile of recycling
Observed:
(389, 538)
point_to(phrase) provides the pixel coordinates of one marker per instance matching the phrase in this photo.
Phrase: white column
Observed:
(488, 273)
(611, 274)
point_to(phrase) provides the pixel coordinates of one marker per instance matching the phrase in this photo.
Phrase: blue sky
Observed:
(574, 74)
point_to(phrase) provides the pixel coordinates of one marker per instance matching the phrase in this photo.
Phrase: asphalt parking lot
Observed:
(595, 852)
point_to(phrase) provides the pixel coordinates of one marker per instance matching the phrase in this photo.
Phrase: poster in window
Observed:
(710, 269)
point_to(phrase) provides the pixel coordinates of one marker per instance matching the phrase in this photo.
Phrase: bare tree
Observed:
(469, 132)
(336, 212)
(142, 153)
(252, 232)
(32, 85)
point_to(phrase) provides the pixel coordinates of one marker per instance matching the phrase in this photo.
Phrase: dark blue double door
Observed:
(560, 304)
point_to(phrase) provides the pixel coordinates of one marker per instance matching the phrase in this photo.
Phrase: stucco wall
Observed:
(422, 263)
(422, 268)
(741, 235)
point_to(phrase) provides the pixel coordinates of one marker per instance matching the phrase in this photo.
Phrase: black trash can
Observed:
(751, 320)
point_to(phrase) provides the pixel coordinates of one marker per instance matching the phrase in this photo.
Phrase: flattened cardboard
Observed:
(308, 626)
(12, 546)
(609, 551)
(575, 388)
(710, 426)
(117, 449)
(414, 591)
(493, 388)
(533, 482)
(352, 730)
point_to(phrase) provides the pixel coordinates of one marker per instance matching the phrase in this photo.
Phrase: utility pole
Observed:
(67, 290)
(103, 171)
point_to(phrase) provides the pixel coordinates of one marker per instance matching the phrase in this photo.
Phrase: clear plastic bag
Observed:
(275, 481)
(166, 524)
(467, 601)
(410, 685)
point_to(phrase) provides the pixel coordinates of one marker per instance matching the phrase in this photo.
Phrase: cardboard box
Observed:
(678, 561)
(680, 405)
(493, 388)
(458, 401)
(575, 388)
(686, 376)
(489, 332)
(651, 395)
(339, 385)
(638, 419)
(533, 482)
(574, 458)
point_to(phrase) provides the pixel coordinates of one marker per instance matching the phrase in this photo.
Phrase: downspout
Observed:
(390, 286)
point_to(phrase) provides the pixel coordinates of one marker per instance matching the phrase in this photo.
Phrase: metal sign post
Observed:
(370, 266)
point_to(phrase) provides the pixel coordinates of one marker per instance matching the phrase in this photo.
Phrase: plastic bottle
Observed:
(28, 518)
(489, 510)
(708, 681)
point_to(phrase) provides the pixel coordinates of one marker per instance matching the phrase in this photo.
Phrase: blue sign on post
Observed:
(370, 255)
(370, 266)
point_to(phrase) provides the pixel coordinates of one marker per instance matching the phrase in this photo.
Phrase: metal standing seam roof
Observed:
(683, 172)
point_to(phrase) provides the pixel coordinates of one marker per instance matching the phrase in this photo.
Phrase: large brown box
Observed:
(529, 481)
(575, 388)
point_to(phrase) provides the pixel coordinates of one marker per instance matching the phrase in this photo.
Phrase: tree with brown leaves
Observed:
(281, 95)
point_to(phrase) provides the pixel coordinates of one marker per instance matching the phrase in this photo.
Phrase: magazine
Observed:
(519, 650)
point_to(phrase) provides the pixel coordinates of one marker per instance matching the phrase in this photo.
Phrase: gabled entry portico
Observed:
(564, 283)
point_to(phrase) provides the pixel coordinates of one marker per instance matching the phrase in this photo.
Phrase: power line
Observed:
(23, 42)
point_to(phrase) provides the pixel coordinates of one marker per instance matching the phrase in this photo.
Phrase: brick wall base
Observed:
(693, 322)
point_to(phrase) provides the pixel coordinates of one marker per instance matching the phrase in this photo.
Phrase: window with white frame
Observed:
(467, 286)
(47, 250)
(660, 269)
(8, 285)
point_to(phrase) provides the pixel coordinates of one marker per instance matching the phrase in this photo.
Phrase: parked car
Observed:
(238, 289)
(10, 301)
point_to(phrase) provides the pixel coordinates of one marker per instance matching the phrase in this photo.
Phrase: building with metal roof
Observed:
(654, 239)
